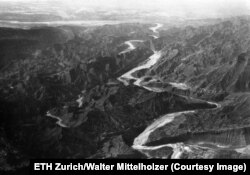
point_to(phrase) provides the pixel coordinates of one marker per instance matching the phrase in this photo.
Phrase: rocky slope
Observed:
(60, 96)
(211, 67)
(211, 60)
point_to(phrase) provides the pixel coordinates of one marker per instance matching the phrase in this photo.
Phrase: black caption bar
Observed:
(81, 166)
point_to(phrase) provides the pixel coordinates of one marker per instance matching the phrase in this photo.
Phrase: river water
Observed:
(59, 120)
(130, 46)
(140, 140)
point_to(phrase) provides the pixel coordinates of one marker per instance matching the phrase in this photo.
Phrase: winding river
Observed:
(130, 46)
(154, 29)
(139, 141)
(59, 120)
(149, 62)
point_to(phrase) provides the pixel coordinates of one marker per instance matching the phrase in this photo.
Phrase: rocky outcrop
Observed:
(225, 129)
(208, 59)
(72, 76)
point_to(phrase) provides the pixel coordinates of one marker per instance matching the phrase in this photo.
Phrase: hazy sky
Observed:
(183, 7)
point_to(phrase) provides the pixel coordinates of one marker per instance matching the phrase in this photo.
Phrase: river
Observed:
(140, 140)
(59, 120)
(148, 63)
(154, 29)
(130, 46)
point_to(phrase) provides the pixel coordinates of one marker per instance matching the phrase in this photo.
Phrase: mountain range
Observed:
(61, 96)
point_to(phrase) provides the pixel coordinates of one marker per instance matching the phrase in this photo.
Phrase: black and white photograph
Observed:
(123, 79)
